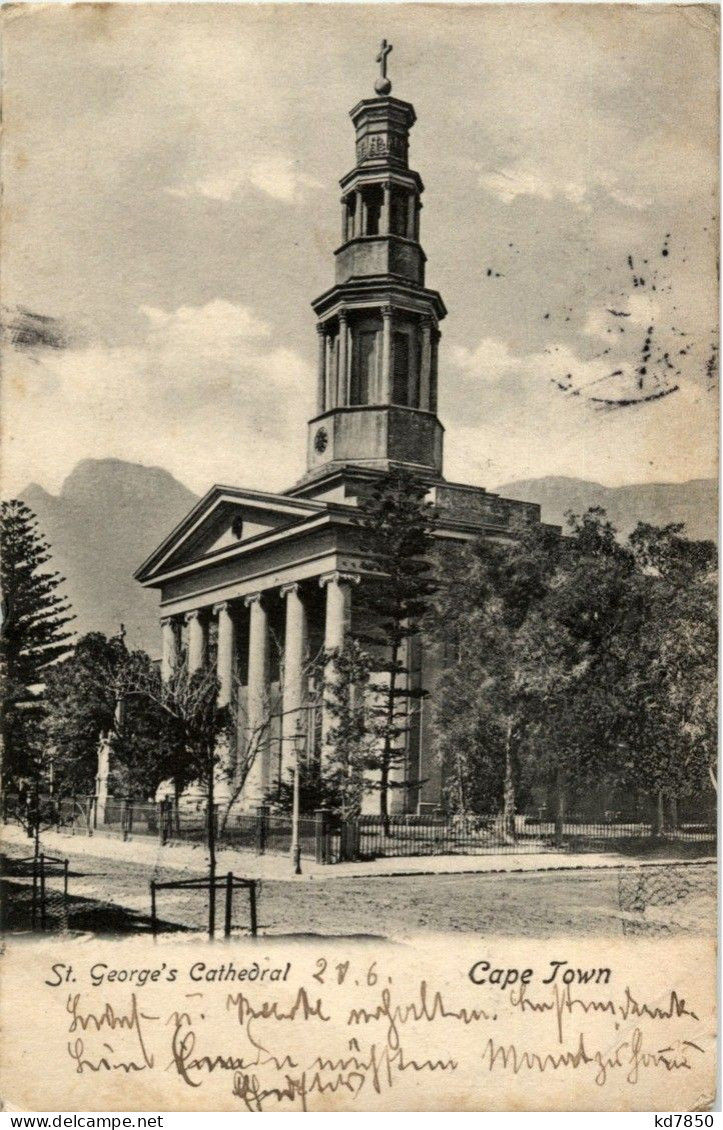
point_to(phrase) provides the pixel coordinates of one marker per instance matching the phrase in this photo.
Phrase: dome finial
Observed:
(383, 85)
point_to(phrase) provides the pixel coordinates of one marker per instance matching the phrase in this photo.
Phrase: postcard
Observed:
(359, 569)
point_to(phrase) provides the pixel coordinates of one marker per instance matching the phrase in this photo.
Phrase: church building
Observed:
(257, 582)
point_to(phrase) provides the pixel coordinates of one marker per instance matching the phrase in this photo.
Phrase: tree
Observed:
(580, 661)
(504, 661)
(89, 698)
(672, 733)
(34, 637)
(196, 732)
(396, 525)
(352, 744)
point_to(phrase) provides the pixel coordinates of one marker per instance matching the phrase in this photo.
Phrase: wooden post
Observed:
(229, 900)
(34, 904)
(153, 907)
(252, 907)
(65, 879)
(262, 828)
(42, 892)
(560, 811)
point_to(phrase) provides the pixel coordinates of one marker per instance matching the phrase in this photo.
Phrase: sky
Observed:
(171, 208)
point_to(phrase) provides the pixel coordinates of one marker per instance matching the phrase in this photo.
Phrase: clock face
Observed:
(321, 440)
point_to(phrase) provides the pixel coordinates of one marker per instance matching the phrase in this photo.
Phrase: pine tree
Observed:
(396, 525)
(34, 636)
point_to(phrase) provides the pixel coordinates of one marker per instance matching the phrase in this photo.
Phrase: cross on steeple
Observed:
(383, 84)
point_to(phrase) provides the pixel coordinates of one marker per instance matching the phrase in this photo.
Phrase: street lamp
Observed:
(295, 844)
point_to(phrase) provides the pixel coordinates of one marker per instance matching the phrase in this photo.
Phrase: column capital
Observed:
(387, 311)
(436, 332)
(343, 315)
(321, 329)
(292, 586)
(166, 620)
(339, 578)
(253, 598)
(222, 606)
(195, 614)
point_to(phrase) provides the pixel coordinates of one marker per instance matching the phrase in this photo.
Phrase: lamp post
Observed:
(295, 844)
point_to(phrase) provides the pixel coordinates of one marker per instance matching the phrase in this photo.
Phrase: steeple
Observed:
(378, 325)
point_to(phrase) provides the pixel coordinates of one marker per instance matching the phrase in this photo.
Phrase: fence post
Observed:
(252, 907)
(229, 900)
(321, 836)
(153, 907)
(262, 828)
(42, 892)
(124, 818)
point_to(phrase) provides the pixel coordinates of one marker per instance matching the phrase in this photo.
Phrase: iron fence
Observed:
(522, 834)
(328, 838)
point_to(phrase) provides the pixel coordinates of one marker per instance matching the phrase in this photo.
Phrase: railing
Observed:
(329, 839)
(522, 834)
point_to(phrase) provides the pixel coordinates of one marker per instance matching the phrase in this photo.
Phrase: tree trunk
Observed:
(176, 807)
(673, 805)
(559, 809)
(508, 799)
(211, 853)
(659, 823)
(387, 749)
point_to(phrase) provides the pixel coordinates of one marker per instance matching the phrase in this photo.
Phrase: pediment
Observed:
(225, 520)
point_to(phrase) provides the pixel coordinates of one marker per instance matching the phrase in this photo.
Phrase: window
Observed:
(373, 209)
(363, 366)
(399, 212)
(400, 379)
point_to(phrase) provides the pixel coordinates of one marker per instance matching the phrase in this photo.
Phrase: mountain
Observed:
(107, 518)
(694, 503)
(109, 515)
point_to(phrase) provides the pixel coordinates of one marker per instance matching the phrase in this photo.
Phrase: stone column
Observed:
(293, 721)
(226, 651)
(386, 369)
(336, 627)
(436, 335)
(359, 214)
(225, 672)
(321, 375)
(425, 368)
(196, 640)
(411, 216)
(342, 374)
(257, 728)
(344, 220)
(330, 388)
(170, 647)
(385, 226)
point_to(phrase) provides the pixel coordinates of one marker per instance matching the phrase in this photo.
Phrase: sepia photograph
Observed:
(359, 527)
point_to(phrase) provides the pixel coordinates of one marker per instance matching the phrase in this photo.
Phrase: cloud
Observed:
(524, 179)
(277, 176)
(207, 393)
(516, 416)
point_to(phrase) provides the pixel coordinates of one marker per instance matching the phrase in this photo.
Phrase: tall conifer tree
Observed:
(396, 525)
(34, 636)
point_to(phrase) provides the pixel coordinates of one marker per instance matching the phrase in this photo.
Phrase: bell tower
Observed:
(378, 326)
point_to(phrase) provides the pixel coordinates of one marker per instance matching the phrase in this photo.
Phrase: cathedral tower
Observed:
(378, 325)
